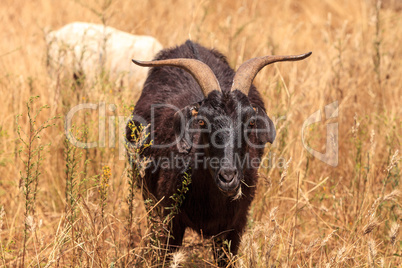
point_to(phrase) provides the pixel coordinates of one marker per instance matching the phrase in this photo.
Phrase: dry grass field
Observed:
(64, 206)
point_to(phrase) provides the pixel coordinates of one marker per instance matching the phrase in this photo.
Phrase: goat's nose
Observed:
(227, 175)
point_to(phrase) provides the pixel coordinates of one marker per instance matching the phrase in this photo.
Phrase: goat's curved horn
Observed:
(199, 70)
(247, 71)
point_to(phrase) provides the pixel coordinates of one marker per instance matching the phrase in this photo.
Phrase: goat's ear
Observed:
(183, 126)
(264, 129)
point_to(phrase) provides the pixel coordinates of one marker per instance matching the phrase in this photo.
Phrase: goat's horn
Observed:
(199, 70)
(247, 71)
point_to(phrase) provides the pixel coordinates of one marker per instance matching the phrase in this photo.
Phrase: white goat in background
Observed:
(88, 49)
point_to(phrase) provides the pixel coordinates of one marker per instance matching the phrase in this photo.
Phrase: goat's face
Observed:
(225, 126)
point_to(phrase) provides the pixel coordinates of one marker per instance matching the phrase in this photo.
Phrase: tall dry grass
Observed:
(307, 214)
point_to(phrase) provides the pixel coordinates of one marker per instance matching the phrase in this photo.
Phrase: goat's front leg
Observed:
(176, 235)
(225, 248)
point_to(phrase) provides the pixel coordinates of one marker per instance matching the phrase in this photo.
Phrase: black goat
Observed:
(210, 122)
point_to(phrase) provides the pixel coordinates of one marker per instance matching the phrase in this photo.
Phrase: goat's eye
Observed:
(252, 123)
(201, 122)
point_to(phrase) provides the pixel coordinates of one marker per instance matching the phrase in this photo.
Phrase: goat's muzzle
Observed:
(228, 181)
